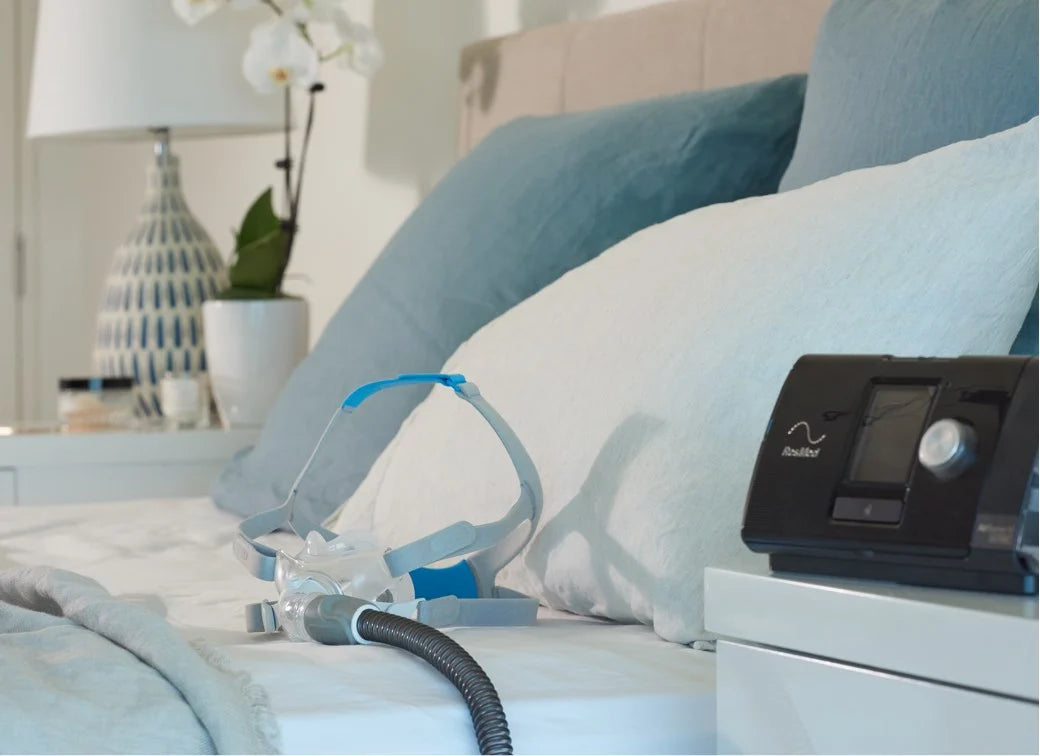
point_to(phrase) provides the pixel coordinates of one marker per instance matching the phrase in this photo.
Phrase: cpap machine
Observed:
(918, 470)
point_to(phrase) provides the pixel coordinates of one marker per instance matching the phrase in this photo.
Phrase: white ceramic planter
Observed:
(252, 345)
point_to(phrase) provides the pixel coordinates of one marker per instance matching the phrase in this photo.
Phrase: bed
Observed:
(559, 681)
(570, 684)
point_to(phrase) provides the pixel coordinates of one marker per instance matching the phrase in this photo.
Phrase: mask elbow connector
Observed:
(332, 619)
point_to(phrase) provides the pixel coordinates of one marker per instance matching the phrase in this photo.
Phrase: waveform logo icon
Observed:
(808, 433)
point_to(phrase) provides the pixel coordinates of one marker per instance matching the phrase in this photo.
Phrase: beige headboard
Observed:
(662, 49)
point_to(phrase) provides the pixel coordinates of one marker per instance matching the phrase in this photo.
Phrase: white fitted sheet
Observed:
(569, 685)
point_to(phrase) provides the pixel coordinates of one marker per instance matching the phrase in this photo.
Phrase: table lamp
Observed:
(130, 69)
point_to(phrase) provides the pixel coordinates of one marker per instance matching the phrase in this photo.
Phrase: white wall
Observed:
(8, 214)
(377, 148)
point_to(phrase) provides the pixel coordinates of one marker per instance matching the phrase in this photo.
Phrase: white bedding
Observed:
(570, 685)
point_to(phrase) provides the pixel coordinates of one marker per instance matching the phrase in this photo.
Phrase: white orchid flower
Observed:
(357, 47)
(193, 11)
(278, 56)
(362, 51)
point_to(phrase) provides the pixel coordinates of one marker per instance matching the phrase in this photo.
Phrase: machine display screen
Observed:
(887, 443)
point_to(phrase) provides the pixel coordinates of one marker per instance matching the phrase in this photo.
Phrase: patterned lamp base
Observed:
(150, 320)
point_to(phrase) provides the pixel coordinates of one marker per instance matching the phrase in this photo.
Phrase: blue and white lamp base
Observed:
(150, 319)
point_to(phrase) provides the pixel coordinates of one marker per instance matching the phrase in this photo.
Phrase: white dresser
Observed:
(61, 468)
(811, 665)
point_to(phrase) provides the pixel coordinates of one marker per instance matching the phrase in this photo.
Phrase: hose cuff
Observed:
(333, 619)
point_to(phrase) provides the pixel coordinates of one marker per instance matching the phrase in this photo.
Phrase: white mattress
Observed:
(569, 685)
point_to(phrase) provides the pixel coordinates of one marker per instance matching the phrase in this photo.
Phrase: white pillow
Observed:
(641, 382)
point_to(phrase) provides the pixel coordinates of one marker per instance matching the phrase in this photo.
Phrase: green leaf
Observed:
(260, 264)
(260, 221)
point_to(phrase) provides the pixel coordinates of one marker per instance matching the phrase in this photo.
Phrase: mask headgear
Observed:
(463, 594)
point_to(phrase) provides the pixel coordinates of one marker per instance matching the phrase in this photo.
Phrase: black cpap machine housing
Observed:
(920, 471)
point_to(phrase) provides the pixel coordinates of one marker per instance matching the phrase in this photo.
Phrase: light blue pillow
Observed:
(535, 199)
(891, 79)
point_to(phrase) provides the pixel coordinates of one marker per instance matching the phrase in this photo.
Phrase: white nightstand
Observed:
(809, 665)
(63, 468)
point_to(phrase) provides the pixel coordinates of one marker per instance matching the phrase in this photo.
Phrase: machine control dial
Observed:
(947, 448)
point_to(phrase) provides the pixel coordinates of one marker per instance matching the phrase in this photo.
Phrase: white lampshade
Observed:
(120, 67)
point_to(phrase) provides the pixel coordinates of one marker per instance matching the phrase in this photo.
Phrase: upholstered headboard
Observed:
(662, 49)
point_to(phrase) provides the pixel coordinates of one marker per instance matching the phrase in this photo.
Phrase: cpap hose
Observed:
(342, 620)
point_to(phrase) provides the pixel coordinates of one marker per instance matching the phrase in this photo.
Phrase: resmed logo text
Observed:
(805, 452)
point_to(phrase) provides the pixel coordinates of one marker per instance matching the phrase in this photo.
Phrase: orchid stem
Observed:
(287, 165)
(325, 57)
(273, 6)
(303, 152)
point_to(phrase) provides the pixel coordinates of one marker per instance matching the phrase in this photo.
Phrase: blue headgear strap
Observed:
(492, 545)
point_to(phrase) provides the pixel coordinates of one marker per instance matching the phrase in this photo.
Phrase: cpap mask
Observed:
(397, 580)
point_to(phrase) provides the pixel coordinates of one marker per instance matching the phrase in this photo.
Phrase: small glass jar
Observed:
(185, 401)
(90, 404)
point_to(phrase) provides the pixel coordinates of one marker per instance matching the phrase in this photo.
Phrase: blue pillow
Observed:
(891, 79)
(1026, 341)
(535, 199)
